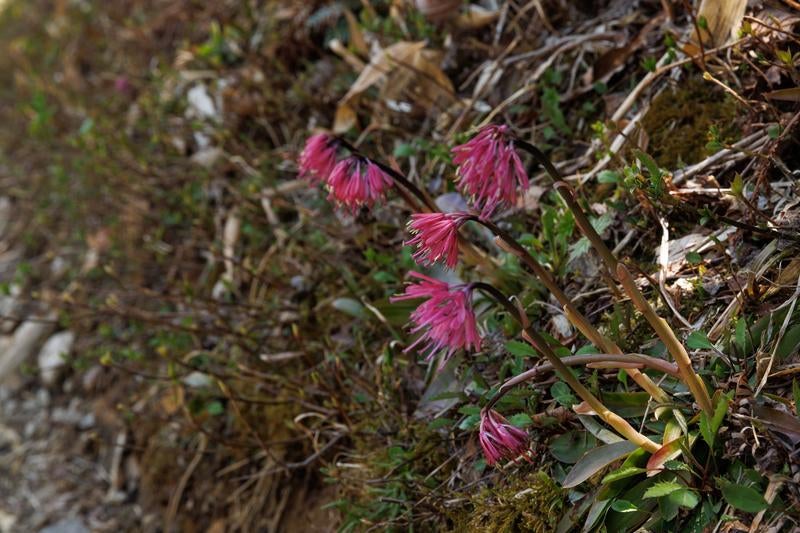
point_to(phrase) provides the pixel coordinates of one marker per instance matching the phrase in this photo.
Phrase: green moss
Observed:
(679, 119)
(530, 503)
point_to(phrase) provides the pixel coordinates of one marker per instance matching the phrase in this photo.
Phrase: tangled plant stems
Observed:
(490, 173)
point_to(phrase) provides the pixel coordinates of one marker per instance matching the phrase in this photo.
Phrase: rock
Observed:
(67, 525)
(10, 307)
(201, 105)
(25, 340)
(70, 415)
(91, 378)
(7, 521)
(51, 356)
(207, 157)
(197, 380)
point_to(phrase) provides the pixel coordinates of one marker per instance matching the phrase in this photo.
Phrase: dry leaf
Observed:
(345, 118)
(789, 95)
(723, 19)
(476, 17)
(438, 10)
(356, 37)
(405, 71)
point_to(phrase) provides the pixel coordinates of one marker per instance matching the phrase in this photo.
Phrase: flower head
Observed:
(357, 181)
(436, 237)
(499, 438)
(446, 319)
(318, 157)
(489, 169)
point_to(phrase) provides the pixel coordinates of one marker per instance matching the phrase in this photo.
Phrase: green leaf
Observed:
(470, 422)
(789, 343)
(622, 473)
(626, 404)
(698, 340)
(685, 498)
(623, 506)
(693, 258)
(608, 176)
(350, 306)
(662, 488)
(579, 248)
(796, 394)
(561, 393)
(570, 446)
(440, 423)
(521, 349)
(520, 420)
(743, 498)
(215, 408)
(552, 110)
(710, 426)
(595, 460)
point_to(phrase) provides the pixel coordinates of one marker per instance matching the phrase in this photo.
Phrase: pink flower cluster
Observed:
(446, 319)
(489, 169)
(500, 439)
(356, 181)
(436, 237)
(317, 158)
(352, 182)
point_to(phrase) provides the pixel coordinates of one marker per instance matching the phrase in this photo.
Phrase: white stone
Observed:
(51, 356)
(25, 340)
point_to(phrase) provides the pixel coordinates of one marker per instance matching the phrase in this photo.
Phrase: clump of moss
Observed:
(532, 503)
(679, 120)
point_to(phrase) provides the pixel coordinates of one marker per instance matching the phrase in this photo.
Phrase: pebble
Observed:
(67, 525)
(51, 356)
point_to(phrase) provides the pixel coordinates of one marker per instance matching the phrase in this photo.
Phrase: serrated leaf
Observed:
(662, 488)
(595, 460)
(520, 420)
(561, 393)
(622, 473)
(676, 465)
(745, 499)
(698, 340)
(470, 422)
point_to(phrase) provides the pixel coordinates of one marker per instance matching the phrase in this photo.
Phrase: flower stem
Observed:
(670, 340)
(618, 423)
(509, 244)
(584, 225)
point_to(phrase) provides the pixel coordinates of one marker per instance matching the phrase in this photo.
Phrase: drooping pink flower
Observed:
(436, 237)
(500, 439)
(318, 157)
(356, 181)
(489, 169)
(446, 318)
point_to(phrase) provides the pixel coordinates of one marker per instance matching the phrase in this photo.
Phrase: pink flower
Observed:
(436, 237)
(318, 157)
(489, 169)
(446, 319)
(500, 439)
(356, 181)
